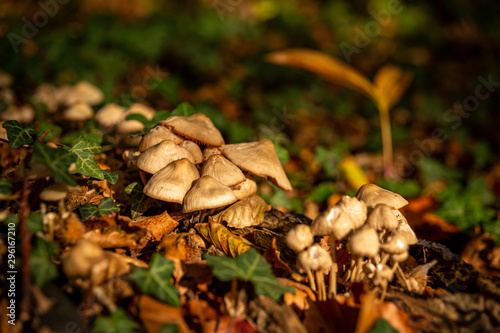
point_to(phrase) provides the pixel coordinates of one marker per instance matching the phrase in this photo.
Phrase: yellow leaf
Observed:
(223, 239)
(390, 82)
(352, 172)
(327, 67)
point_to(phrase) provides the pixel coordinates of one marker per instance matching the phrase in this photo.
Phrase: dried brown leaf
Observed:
(157, 226)
(155, 314)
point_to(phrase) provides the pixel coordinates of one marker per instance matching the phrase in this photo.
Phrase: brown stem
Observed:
(385, 127)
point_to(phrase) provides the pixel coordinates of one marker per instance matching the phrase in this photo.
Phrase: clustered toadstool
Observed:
(374, 231)
(184, 160)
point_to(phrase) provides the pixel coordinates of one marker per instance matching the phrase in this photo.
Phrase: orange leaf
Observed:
(390, 82)
(155, 314)
(222, 238)
(158, 225)
(325, 66)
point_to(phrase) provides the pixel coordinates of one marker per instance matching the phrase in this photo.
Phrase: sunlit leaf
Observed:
(117, 322)
(155, 281)
(42, 267)
(325, 66)
(86, 164)
(17, 135)
(223, 239)
(57, 159)
(391, 82)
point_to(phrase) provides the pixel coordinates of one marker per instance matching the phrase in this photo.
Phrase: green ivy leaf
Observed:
(155, 281)
(42, 267)
(139, 117)
(183, 110)
(35, 223)
(160, 115)
(118, 322)
(249, 266)
(382, 326)
(5, 187)
(105, 207)
(54, 130)
(109, 176)
(57, 159)
(17, 135)
(322, 192)
(86, 164)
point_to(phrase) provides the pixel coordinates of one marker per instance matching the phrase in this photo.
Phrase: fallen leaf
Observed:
(223, 239)
(391, 82)
(113, 239)
(157, 226)
(155, 314)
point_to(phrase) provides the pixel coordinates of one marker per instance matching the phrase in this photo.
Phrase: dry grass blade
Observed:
(391, 82)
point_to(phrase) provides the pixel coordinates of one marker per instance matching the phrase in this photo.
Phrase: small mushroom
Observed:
(133, 126)
(198, 128)
(23, 114)
(110, 115)
(157, 135)
(207, 193)
(160, 155)
(407, 232)
(244, 213)
(337, 223)
(223, 170)
(244, 189)
(78, 112)
(260, 159)
(84, 92)
(314, 258)
(172, 182)
(383, 219)
(299, 237)
(356, 210)
(57, 192)
(130, 157)
(373, 195)
(194, 149)
(363, 243)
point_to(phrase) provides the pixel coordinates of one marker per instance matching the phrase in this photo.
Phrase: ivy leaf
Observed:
(105, 207)
(5, 186)
(139, 201)
(249, 266)
(54, 130)
(382, 326)
(17, 135)
(118, 322)
(184, 110)
(42, 267)
(35, 223)
(139, 117)
(109, 176)
(155, 281)
(86, 164)
(57, 159)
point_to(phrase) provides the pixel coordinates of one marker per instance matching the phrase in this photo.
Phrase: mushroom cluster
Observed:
(371, 228)
(184, 160)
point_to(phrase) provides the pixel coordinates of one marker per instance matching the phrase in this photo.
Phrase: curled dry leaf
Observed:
(182, 246)
(114, 239)
(244, 213)
(223, 239)
(157, 226)
(155, 314)
(390, 82)
(70, 229)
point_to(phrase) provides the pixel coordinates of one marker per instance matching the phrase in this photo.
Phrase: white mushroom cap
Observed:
(209, 151)
(244, 189)
(207, 193)
(130, 157)
(194, 149)
(364, 242)
(223, 170)
(356, 210)
(86, 93)
(314, 258)
(333, 221)
(396, 244)
(157, 135)
(382, 217)
(373, 195)
(197, 127)
(110, 115)
(299, 237)
(57, 191)
(160, 155)
(407, 232)
(78, 112)
(173, 181)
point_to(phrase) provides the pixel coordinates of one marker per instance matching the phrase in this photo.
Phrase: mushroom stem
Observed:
(401, 276)
(320, 281)
(332, 287)
(202, 216)
(357, 270)
(312, 283)
(144, 178)
(384, 290)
